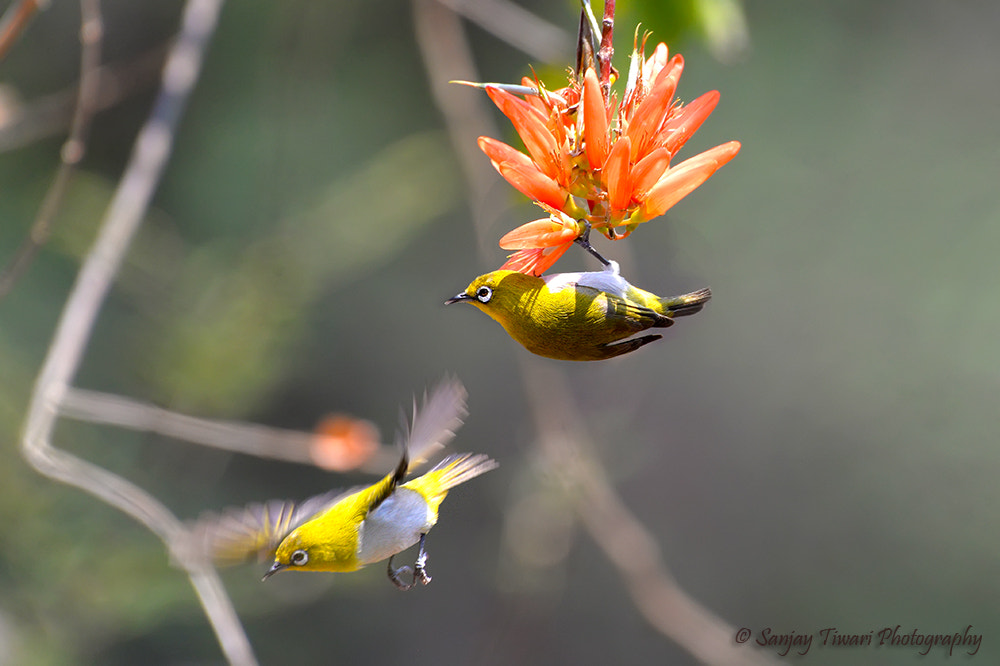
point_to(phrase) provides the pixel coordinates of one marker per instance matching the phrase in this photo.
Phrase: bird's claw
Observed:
(395, 575)
(418, 571)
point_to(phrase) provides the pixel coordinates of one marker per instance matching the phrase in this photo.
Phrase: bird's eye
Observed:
(299, 558)
(484, 294)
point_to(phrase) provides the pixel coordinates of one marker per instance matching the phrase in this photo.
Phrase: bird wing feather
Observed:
(645, 316)
(238, 534)
(433, 425)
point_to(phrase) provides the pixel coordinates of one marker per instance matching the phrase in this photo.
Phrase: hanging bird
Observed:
(345, 530)
(576, 316)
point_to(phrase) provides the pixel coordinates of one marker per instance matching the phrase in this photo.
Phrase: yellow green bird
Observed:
(344, 531)
(576, 316)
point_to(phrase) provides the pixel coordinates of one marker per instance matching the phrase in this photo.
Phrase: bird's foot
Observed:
(417, 573)
(396, 576)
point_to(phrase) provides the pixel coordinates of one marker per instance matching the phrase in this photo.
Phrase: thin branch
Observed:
(47, 115)
(247, 438)
(252, 439)
(125, 213)
(91, 28)
(447, 57)
(629, 546)
(13, 23)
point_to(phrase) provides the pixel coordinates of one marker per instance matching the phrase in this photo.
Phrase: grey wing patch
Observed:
(609, 280)
(238, 534)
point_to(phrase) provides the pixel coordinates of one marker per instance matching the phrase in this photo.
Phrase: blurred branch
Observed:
(447, 57)
(625, 541)
(125, 213)
(91, 28)
(565, 445)
(13, 23)
(515, 25)
(24, 123)
(247, 438)
(251, 439)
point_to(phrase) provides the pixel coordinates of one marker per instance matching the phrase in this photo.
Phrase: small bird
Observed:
(344, 531)
(576, 316)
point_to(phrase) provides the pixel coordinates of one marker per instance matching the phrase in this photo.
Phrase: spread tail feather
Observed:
(687, 304)
(450, 472)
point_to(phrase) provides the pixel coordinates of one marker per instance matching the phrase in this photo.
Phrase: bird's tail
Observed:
(450, 472)
(686, 304)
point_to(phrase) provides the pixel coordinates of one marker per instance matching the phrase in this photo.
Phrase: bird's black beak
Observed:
(458, 298)
(275, 568)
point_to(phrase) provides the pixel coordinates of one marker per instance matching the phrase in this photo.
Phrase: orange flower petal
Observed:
(644, 125)
(681, 180)
(538, 234)
(533, 184)
(679, 129)
(535, 261)
(616, 174)
(499, 152)
(595, 120)
(648, 171)
(531, 127)
(521, 172)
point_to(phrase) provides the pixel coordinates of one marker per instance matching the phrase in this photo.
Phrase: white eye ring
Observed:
(484, 294)
(299, 558)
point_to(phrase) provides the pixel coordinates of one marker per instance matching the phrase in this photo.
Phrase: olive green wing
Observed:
(238, 534)
(622, 315)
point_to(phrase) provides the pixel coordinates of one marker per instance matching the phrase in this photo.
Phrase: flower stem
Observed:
(607, 48)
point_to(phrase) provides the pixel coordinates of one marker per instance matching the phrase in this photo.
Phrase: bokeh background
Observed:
(818, 448)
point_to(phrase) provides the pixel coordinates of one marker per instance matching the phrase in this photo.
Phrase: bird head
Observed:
(500, 293)
(292, 553)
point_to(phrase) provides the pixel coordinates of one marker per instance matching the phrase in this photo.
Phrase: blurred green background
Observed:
(819, 448)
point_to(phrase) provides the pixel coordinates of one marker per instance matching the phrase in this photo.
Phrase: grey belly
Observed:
(394, 526)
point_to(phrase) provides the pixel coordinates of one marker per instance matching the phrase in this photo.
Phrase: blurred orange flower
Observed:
(343, 443)
(590, 160)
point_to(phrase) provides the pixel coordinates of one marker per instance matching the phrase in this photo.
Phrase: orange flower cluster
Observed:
(592, 160)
